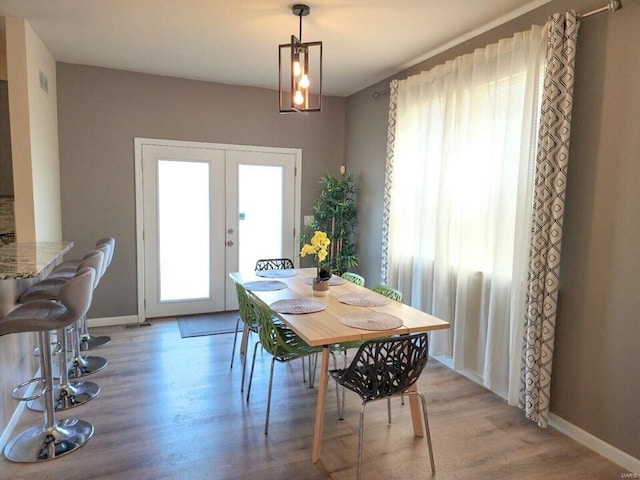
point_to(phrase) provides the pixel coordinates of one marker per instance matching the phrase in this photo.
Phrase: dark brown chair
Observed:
(274, 264)
(385, 368)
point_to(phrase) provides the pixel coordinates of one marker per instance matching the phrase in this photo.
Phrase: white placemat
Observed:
(363, 299)
(297, 305)
(371, 320)
(276, 273)
(334, 280)
(264, 285)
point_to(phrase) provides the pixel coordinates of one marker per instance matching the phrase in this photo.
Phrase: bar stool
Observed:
(49, 289)
(54, 438)
(68, 268)
(87, 340)
(107, 245)
(66, 394)
(76, 261)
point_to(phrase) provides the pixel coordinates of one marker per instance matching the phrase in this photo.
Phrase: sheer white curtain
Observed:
(459, 202)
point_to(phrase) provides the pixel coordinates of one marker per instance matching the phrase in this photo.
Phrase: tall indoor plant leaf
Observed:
(335, 213)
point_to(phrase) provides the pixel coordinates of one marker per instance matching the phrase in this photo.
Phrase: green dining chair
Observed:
(280, 342)
(389, 292)
(354, 278)
(248, 318)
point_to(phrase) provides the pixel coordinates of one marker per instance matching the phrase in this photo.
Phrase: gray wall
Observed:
(101, 111)
(596, 384)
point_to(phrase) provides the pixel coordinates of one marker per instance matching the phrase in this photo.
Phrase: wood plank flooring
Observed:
(170, 408)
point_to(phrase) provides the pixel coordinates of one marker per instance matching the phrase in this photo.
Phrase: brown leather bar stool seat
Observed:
(54, 438)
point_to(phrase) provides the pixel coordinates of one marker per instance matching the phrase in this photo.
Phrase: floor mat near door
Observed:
(207, 324)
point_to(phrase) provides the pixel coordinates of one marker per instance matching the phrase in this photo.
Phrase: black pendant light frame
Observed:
(298, 52)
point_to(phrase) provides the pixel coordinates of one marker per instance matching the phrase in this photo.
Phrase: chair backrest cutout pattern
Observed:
(388, 292)
(274, 264)
(387, 366)
(245, 308)
(354, 278)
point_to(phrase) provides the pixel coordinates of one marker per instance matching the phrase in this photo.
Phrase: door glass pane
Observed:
(183, 230)
(260, 192)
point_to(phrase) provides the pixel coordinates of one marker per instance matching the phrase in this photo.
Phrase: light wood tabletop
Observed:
(324, 328)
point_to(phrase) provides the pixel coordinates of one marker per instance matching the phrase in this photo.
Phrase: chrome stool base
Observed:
(68, 396)
(88, 342)
(83, 366)
(43, 443)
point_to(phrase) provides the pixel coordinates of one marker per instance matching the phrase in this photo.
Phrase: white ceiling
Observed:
(235, 41)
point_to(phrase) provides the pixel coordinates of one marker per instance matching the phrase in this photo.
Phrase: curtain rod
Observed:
(376, 94)
(612, 6)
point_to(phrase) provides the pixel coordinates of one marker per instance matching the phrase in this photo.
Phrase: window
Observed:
(460, 197)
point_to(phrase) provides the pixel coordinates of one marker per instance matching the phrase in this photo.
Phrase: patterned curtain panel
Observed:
(388, 178)
(549, 197)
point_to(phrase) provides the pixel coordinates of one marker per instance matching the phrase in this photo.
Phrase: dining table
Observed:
(348, 312)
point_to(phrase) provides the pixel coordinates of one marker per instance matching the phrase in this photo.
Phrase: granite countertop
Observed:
(28, 260)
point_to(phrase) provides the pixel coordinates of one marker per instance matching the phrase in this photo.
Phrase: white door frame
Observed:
(139, 142)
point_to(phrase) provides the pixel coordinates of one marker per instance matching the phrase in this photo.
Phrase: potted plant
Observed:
(318, 247)
(335, 214)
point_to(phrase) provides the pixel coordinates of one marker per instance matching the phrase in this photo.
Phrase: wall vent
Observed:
(44, 82)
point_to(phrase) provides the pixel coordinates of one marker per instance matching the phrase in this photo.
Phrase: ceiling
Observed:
(235, 41)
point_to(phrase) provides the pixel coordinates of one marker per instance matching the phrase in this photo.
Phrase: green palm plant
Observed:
(335, 214)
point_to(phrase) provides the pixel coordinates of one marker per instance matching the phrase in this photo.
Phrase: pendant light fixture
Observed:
(300, 69)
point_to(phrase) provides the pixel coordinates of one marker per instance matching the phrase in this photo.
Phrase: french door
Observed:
(206, 210)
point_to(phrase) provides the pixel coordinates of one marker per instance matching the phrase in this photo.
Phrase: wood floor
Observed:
(170, 408)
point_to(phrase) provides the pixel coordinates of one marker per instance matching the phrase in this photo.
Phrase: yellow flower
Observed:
(318, 246)
(307, 250)
(320, 240)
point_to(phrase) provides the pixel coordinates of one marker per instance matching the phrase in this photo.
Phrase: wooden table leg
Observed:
(245, 340)
(322, 395)
(416, 414)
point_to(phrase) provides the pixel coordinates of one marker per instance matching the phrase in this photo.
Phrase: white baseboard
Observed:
(594, 443)
(15, 418)
(111, 321)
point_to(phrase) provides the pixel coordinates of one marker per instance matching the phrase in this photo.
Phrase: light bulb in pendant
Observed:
(298, 98)
(296, 68)
(304, 81)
